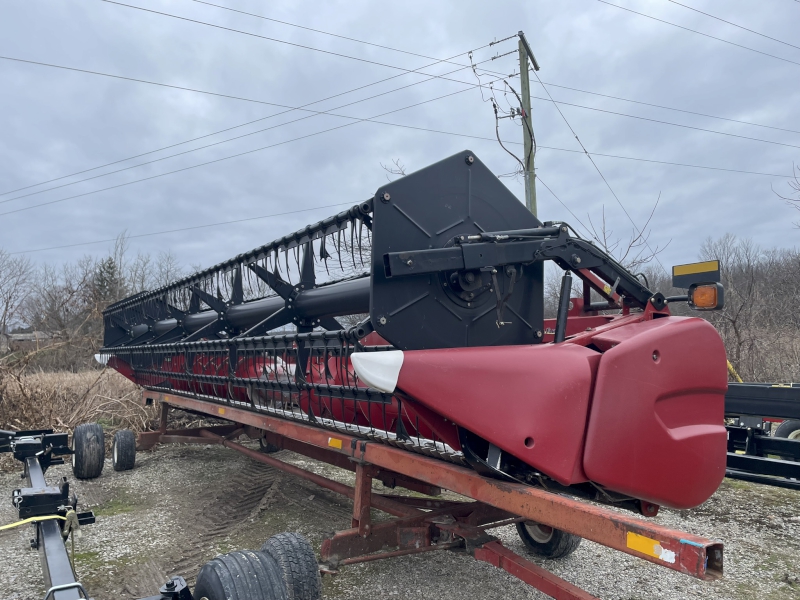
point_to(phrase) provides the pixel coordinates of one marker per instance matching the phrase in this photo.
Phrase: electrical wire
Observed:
(256, 35)
(164, 232)
(218, 160)
(608, 185)
(689, 112)
(183, 88)
(713, 37)
(586, 229)
(483, 138)
(730, 23)
(611, 112)
(336, 35)
(448, 60)
(662, 162)
(315, 113)
(505, 39)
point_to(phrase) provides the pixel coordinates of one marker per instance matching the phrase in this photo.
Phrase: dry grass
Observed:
(63, 400)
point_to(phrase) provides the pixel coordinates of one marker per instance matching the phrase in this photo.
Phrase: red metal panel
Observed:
(656, 429)
(531, 401)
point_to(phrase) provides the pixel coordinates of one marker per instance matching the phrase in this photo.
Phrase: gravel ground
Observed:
(182, 505)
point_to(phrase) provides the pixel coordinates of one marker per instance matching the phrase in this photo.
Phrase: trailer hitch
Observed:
(52, 509)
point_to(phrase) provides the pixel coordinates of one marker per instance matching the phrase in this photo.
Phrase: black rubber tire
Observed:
(123, 450)
(298, 565)
(551, 543)
(240, 575)
(267, 448)
(787, 428)
(89, 446)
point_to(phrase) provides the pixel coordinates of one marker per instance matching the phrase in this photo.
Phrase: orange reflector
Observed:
(705, 296)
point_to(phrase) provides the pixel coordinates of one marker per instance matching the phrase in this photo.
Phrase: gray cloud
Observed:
(57, 122)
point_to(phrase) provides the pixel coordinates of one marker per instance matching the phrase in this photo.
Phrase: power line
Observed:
(713, 37)
(730, 23)
(689, 112)
(263, 37)
(230, 96)
(608, 185)
(588, 231)
(303, 108)
(342, 37)
(347, 203)
(498, 73)
(315, 113)
(611, 112)
(25, 208)
(662, 162)
(429, 130)
(290, 109)
(213, 133)
(141, 235)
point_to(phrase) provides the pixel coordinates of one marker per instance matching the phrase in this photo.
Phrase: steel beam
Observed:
(496, 555)
(56, 568)
(680, 551)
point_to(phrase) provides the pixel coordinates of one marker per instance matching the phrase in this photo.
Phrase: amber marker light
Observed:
(706, 296)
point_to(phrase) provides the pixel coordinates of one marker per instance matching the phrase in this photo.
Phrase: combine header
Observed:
(405, 339)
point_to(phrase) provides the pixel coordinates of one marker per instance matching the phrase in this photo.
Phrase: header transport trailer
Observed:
(405, 339)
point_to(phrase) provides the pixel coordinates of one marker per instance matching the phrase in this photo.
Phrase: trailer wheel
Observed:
(123, 450)
(789, 429)
(265, 447)
(241, 575)
(89, 451)
(298, 565)
(546, 541)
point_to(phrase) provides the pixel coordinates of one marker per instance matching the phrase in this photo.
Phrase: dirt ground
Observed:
(182, 505)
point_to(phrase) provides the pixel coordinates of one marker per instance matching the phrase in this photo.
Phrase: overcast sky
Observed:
(57, 122)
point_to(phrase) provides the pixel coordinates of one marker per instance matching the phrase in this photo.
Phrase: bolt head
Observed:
(469, 159)
(538, 333)
(410, 262)
(386, 197)
(382, 320)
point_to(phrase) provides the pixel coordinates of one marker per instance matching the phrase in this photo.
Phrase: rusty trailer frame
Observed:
(422, 524)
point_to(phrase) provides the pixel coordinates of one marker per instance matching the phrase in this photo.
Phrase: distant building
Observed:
(23, 342)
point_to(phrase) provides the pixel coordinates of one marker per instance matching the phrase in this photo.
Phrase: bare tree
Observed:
(634, 252)
(15, 282)
(167, 269)
(396, 169)
(793, 199)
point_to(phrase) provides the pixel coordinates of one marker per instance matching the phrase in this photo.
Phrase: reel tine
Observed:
(352, 243)
(323, 253)
(339, 248)
(360, 229)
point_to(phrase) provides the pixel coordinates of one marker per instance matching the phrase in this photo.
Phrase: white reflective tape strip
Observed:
(378, 370)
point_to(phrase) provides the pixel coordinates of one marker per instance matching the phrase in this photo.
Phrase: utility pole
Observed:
(527, 125)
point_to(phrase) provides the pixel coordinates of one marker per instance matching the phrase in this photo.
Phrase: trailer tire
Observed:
(265, 447)
(240, 575)
(789, 429)
(89, 451)
(547, 542)
(298, 565)
(123, 450)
